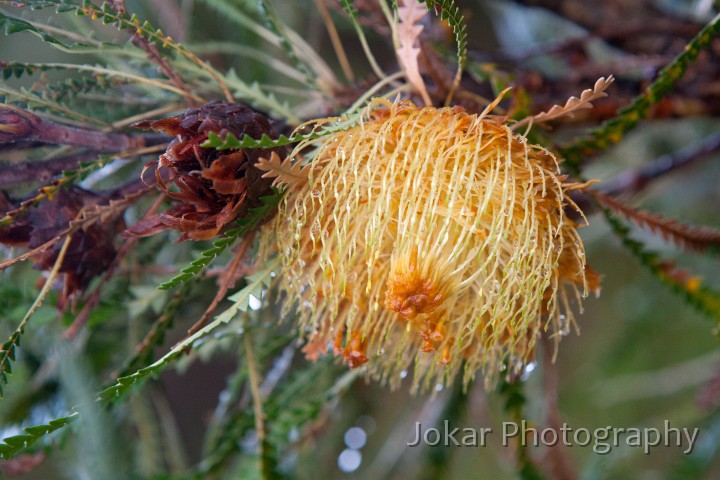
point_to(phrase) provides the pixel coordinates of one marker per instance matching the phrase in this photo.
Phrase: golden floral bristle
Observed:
(433, 238)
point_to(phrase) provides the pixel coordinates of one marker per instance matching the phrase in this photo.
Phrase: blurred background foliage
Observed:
(643, 356)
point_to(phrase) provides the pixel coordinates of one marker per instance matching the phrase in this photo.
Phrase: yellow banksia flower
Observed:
(433, 239)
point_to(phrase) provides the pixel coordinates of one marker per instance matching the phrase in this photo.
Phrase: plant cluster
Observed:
(412, 214)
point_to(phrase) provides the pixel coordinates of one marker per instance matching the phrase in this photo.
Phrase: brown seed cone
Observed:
(214, 187)
(91, 250)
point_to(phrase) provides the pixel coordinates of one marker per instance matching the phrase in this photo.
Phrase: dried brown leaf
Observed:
(410, 14)
(574, 104)
(689, 237)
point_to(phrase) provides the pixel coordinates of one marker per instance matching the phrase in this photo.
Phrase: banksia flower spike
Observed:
(431, 237)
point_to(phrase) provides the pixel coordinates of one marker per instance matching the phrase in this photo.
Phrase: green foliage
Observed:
(256, 283)
(232, 142)
(702, 298)
(448, 10)
(105, 13)
(293, 405)
(7, 356)
(10, 25)
(252, 220)
(156, 335)
(627, 118)
(265, 101)
(16, 443)
(278, 28)
(514, 401)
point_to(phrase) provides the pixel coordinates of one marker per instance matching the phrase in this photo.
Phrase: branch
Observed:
(693, 238)
(613, 131)
(18, 125)
(636, 180)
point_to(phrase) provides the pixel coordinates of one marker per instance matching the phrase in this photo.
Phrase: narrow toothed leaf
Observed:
(254, 218)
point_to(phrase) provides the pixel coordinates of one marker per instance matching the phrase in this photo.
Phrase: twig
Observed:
(226, 281)
(633, 181)
(154, 55)
(557, 462)
(80, 221)
(689, 237)
(7, 354)
(53, 187)
(94, 298)
(42, 171)
(257, 401)
(335, 40)
(17, 125)
(613, 131)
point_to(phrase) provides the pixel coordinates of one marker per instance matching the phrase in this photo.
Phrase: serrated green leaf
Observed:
(123, 384)
(232, 142)
(449, 11)
(256, 97)
(628, 117)
(11, 25)
(12, 445)
(254, 217)
(18, 441)
(38, 430)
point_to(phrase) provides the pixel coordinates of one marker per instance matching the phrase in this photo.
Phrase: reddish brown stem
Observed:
(557, 462)
(18, 125)
(94, 298)
(154, 55)
(44, 171)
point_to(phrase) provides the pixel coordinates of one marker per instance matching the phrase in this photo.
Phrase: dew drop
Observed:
(254, 302)
(527, 371)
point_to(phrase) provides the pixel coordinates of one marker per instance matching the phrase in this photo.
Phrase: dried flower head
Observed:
(214, 187)
(434, 238)
(91, 250)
